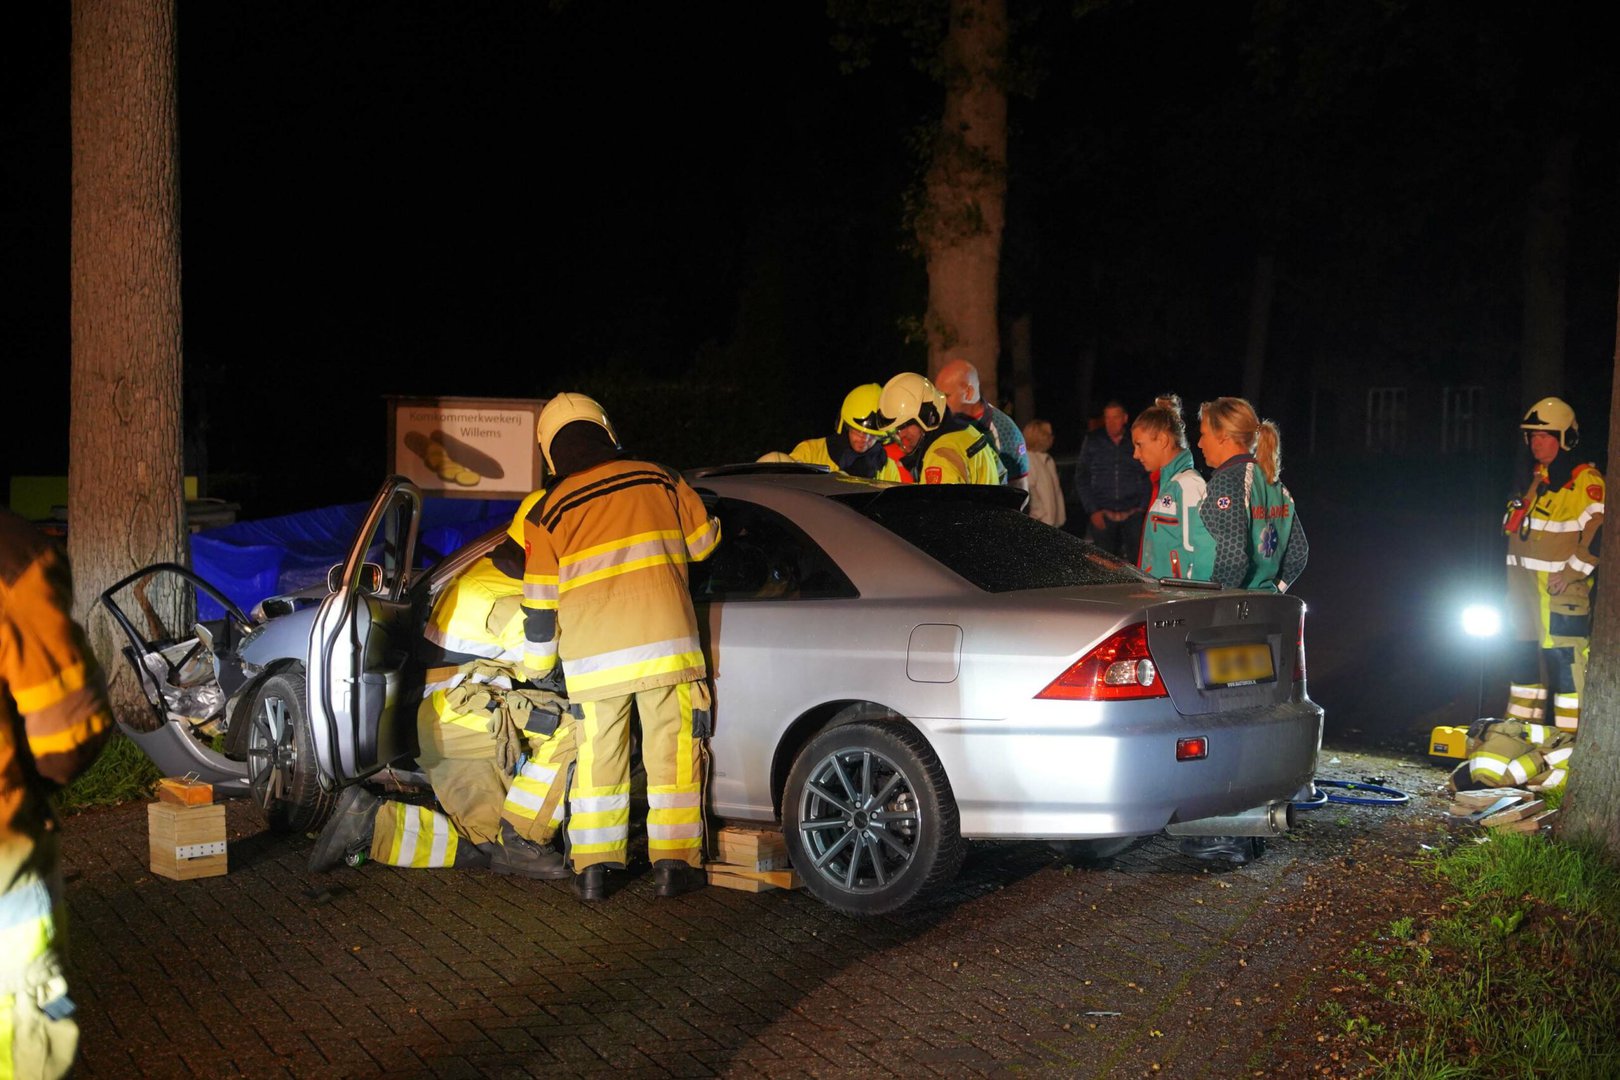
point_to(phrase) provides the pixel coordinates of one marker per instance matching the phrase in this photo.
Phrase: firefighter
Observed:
(605, 594)
(54, 717)
(1553, 536)
(491, 745)
(856, 446)
(1175, 543)
(935, 445)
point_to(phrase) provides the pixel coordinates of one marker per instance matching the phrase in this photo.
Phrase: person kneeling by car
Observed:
(492, 745)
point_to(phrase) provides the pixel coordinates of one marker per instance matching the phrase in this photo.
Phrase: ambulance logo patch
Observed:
(1167, 503)
(933, 475)
(1594, 492)
(1224, 502)
(1268, 541)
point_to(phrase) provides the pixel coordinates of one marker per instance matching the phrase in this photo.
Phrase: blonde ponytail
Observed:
(1268, 450)
(1164, 415)
(1236, 419)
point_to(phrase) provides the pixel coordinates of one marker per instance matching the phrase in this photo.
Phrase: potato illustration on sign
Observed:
(454, 461)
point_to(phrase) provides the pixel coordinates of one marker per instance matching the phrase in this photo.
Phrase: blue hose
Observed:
(1381, 795)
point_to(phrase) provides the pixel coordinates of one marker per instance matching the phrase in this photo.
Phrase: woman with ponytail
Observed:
(1259, 543)
(1175, 543)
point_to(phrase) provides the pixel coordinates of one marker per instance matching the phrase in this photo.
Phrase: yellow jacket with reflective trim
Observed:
(54, 714)
(814, 452)
(479, 616)
(605, 581)
(1552, 530)
(961, 457)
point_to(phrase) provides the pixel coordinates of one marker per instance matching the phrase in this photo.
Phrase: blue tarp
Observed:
(250, 560)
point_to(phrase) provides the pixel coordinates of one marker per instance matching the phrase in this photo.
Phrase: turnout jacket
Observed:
(478, 618)
(1554, 528)
(835, 452)
(54, 718)
(1175, 542)
(605, 580)
(1259, 543)
(956, 452)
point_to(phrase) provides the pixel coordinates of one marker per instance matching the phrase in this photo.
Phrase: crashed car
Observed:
(896, 670)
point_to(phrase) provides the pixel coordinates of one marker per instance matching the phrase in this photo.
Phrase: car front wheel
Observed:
(281, 757)
(869, 818)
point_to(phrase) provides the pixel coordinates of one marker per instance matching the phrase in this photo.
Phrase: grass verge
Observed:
(121, 773)
(1517, 975)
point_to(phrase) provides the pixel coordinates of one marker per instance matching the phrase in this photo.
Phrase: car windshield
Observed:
(991, 542)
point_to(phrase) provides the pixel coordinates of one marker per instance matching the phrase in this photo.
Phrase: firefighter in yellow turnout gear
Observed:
(492, 746)
(54, 718)
(1554, 536)
(856, 447)
(937, 447)
(605, 593)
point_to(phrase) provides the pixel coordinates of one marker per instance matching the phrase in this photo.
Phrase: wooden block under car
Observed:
(751, 848)
(778, 879)
(737, 882)
(185, 791)
(186, 842)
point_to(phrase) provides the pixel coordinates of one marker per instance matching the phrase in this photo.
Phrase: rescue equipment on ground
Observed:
(186, 842)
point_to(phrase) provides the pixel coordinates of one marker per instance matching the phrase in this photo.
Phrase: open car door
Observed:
(362, 643)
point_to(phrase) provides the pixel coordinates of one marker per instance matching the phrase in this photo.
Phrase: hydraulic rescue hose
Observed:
(1368, 794)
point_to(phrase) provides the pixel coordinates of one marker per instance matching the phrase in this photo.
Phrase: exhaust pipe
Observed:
(1273, 819)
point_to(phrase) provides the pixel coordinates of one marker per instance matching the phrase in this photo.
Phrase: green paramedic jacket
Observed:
(1259, 543)
(1175, 543)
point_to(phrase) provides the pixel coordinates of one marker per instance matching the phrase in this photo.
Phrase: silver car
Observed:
(896, 669)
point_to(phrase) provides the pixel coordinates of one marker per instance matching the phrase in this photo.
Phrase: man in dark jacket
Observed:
(1112, 486)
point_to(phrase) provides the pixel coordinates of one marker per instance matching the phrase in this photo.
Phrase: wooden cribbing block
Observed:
(740, 884)
(185, 791)
(1533, 823)
(1514, 813)
(779, 879)
(751, 848)
(186, 842)
(1481, 797)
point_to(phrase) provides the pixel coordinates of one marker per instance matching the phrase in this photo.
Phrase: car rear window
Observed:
(991, 543)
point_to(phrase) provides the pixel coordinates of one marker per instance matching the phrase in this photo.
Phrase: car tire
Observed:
(282, 776)
(869, 818)
(1097, 852)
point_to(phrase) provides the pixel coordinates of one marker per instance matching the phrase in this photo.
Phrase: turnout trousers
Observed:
(674, 722)
(460, 755)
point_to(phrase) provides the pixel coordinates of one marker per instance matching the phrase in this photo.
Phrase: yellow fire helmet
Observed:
(515, 529)
(563, 410)
(1552, 414)
(910, 396)
(863, 410)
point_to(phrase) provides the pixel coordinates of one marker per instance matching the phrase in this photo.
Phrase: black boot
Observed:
(348, 832)
(591, 883)
(673, 877)
(517, 855)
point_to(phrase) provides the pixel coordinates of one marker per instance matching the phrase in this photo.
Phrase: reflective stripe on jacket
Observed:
(1552, 530)
(605, 582)
(1175, 543)
(873, 465)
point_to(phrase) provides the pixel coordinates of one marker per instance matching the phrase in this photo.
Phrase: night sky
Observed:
(512, 199)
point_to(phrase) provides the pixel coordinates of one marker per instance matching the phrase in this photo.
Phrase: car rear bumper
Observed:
(1047, 778)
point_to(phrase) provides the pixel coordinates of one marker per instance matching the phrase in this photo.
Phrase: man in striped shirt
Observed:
(605, 593)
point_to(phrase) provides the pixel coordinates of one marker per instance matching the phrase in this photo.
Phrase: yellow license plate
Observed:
(1237, 665)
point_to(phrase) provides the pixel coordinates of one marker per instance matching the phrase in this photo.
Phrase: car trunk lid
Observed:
(1235, 650)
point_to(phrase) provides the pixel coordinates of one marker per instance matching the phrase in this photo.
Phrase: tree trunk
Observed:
(1591, 809)
(1023, 368)
(960, 224)
(1546, 255)
(1254, 357)
(126, 502)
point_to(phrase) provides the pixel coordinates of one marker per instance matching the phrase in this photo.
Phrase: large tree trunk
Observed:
(126, 501)
(1260, 301)
(1591, 808)
(1546, 255)
(960, 225)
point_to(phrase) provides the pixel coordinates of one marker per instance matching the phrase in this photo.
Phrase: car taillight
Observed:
(1118, 669)
(1299, 653)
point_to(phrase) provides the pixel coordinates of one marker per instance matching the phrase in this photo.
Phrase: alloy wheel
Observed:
(859, 820)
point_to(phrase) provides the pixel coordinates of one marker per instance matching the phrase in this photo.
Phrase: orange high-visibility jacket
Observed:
(605, 581)
(53, 719)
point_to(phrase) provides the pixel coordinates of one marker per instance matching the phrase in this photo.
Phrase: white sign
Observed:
(463, 446)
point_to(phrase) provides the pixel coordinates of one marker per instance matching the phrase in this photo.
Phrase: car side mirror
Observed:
(371, 578)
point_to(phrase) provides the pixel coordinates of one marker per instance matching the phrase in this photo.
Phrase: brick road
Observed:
(271, 971)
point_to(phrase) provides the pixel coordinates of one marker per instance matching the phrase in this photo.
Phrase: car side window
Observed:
(764, 556)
